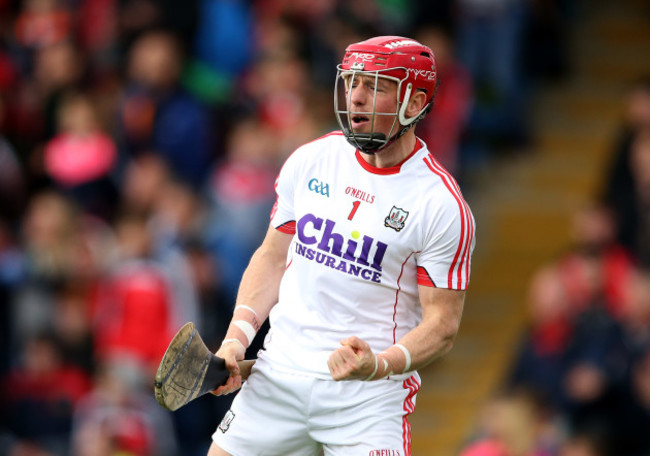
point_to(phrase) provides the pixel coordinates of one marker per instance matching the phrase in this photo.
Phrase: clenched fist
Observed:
(354, 360)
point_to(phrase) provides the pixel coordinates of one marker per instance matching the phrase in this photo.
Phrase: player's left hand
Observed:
(354, 360)
(231, 353)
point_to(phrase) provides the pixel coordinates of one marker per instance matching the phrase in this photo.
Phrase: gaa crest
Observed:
(396, 218)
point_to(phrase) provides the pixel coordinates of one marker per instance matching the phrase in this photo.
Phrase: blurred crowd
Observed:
(579, 384)
(139, 143)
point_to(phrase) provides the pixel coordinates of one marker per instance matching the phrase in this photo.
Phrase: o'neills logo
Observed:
(361, 258)
(384, 453)
(360, 195)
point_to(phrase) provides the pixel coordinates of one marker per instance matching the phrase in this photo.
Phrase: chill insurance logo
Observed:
(357, 255)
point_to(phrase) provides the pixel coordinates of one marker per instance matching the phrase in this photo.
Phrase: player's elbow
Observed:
(442, 346)
(448, 338)
(446, 345)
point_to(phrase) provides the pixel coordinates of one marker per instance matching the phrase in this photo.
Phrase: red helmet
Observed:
(411, 64)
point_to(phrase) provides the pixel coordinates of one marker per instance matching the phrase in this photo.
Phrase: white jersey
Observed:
(364, 238)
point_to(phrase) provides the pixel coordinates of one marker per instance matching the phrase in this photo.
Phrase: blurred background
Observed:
(139, 143)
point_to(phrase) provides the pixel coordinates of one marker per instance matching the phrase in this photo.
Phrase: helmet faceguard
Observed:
(410, 64)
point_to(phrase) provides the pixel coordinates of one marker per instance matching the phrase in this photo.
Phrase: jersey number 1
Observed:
(355, 206)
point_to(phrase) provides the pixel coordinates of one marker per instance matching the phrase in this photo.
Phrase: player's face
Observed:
(366, 94)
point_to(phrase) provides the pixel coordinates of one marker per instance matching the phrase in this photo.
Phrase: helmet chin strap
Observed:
(368, 143)
(371, 143)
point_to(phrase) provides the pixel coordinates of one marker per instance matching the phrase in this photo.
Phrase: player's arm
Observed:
(433, 337)
(258, 293)
(442, 310)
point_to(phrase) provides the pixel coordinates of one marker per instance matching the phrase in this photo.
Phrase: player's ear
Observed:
(416, 103)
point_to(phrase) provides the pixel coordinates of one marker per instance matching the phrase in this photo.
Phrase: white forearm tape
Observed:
(244, 325)
(247, 328)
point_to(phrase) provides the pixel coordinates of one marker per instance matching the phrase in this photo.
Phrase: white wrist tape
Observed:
(241, 306)
(407, 355)
(226, 341)
(247, 328)
(386, 372)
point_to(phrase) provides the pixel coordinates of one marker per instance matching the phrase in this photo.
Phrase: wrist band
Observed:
(407, 355)
(397, 360)
(387, 371)
(242, 306)
(226, 341)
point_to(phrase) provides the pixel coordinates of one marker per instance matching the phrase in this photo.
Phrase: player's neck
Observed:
(394, 154)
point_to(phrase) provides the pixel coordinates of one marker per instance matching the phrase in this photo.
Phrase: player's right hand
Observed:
(231, 352)
(353, 360)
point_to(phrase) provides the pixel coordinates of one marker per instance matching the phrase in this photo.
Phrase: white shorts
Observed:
(287, 414)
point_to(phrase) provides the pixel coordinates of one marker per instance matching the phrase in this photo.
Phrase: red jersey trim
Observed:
(386, 171)
(424, 278)
(460, 264)
(287, 228)
(399, 288)
(413, 386)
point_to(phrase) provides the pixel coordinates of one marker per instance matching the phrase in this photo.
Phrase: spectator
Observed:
(539, 362)
(584, 443)
(177, 221)
(120, 416)
(59, 68)
(49, 248)
(155, 114)
(581, 293)
(633, 404)
(38, 397)
(142, 178)
(640, 165)
(33, 103)
(277, 89)
(597, 266)
(241, 195)
(489, 39)
(509, 425)
(81, 158)
(133, 314)
(618, 185)
(42, 23)
(72, 325)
